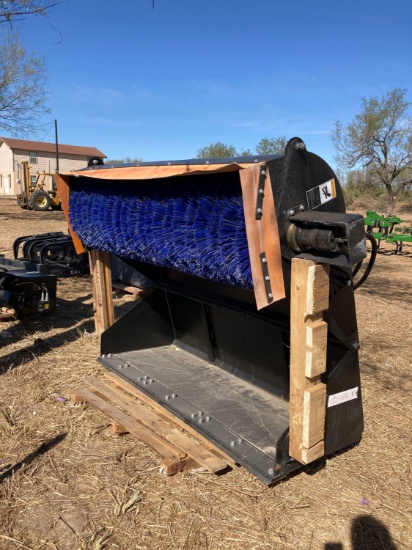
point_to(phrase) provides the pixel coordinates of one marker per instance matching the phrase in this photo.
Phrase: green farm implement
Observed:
(387, 229)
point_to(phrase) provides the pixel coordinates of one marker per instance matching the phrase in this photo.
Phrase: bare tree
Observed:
(17, 10)
(23, 92)
(379, 138)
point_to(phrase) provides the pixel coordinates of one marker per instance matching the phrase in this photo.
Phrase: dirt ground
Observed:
(67, 483)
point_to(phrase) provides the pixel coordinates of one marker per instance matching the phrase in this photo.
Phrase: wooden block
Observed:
(309, 455)
(314, 412)
(317, 297)
(316, 342)
(151, 420)
(170, 468)
(117, 429)
(77, 397)
(133, 390)
(164, 448)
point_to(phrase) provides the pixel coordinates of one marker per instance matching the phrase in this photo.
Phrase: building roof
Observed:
(41, 146)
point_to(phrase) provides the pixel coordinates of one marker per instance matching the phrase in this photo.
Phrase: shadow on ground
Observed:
(367, 533)
(28, 459)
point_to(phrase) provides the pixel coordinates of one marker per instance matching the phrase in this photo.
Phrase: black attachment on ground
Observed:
(54, 249)
(26, 289)
(197, 344)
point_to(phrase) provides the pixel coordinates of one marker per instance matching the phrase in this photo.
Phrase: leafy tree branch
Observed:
(379, 138)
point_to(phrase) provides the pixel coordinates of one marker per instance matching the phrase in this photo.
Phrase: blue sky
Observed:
(161, 83)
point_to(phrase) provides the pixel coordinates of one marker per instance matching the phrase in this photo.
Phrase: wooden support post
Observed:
(102, 290)
(308, 343)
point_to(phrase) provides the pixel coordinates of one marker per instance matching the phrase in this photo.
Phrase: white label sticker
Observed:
(342, 397)
(321, 194)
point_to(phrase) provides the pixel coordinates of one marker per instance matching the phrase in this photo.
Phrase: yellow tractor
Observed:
(36, 197)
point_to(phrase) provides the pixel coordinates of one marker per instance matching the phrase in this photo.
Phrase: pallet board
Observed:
(137, 292)
(7, 314)
(308, 337)
(164, 413)
(178, 450)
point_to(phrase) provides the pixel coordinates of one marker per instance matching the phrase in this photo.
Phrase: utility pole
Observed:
(57, 147)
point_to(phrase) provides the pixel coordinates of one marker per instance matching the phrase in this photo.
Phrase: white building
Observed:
(42, 158)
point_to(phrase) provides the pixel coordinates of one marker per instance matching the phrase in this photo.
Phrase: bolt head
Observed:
(232, 443)
(271, 471)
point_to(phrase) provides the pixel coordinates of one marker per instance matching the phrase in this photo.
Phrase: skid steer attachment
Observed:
(238, 248)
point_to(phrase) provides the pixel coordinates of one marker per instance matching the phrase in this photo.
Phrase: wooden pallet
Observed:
(135, 413)
(7, 314)
(137, 292)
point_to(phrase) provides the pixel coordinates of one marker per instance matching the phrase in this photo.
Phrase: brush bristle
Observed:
(195, 225)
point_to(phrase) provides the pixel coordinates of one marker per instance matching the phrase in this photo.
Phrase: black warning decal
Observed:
(321, 194)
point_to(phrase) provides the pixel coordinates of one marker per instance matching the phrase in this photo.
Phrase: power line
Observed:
(48, 131)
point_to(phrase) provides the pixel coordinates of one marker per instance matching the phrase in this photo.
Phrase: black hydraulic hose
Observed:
(357, 268)
(374, 251)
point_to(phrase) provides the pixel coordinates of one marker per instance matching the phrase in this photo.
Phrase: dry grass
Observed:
(67, 483)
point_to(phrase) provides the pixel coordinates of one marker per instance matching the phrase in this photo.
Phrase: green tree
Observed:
(246, 153)
(16, 10)
(126, 160)
(271, 146)
(366, 179)
(23, 92)
(379, 138)
(217, 150)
